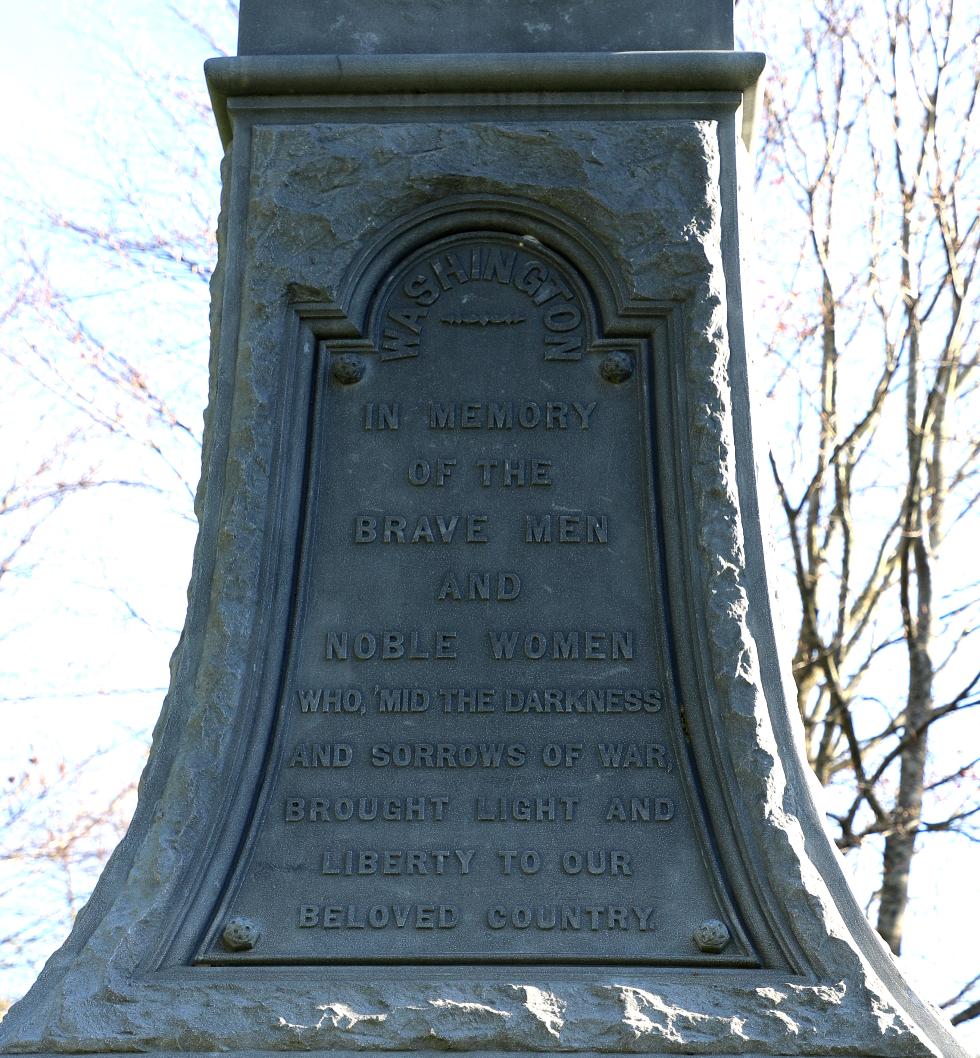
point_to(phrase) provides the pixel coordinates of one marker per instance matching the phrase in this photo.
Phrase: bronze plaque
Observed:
(478, 754)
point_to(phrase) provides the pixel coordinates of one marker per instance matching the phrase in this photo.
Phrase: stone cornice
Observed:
(328, 75)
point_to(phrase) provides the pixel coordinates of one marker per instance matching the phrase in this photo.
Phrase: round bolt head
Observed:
(712, 936)
(617, 366)
(347, 369)
(240, 934)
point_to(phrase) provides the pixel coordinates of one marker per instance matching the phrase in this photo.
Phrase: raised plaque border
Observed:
(318, 327)
(341, 326)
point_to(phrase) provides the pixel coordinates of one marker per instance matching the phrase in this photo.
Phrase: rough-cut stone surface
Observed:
(316, 195)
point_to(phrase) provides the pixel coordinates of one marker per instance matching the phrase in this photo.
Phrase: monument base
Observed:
(351, 183)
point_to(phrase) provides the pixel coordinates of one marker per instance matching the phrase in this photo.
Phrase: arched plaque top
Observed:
(494, 227)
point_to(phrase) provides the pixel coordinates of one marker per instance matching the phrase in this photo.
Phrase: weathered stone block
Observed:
(477, 737)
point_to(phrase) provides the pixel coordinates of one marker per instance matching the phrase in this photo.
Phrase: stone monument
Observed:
(478, 736)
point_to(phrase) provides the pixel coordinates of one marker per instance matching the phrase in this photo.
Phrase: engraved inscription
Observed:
(459, 279)
(478, 754)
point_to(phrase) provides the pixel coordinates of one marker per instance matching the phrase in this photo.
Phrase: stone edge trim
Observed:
(231, 77)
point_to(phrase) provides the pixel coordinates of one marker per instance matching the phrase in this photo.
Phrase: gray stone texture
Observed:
(328, 27)
(345, 134)
(298, 208)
